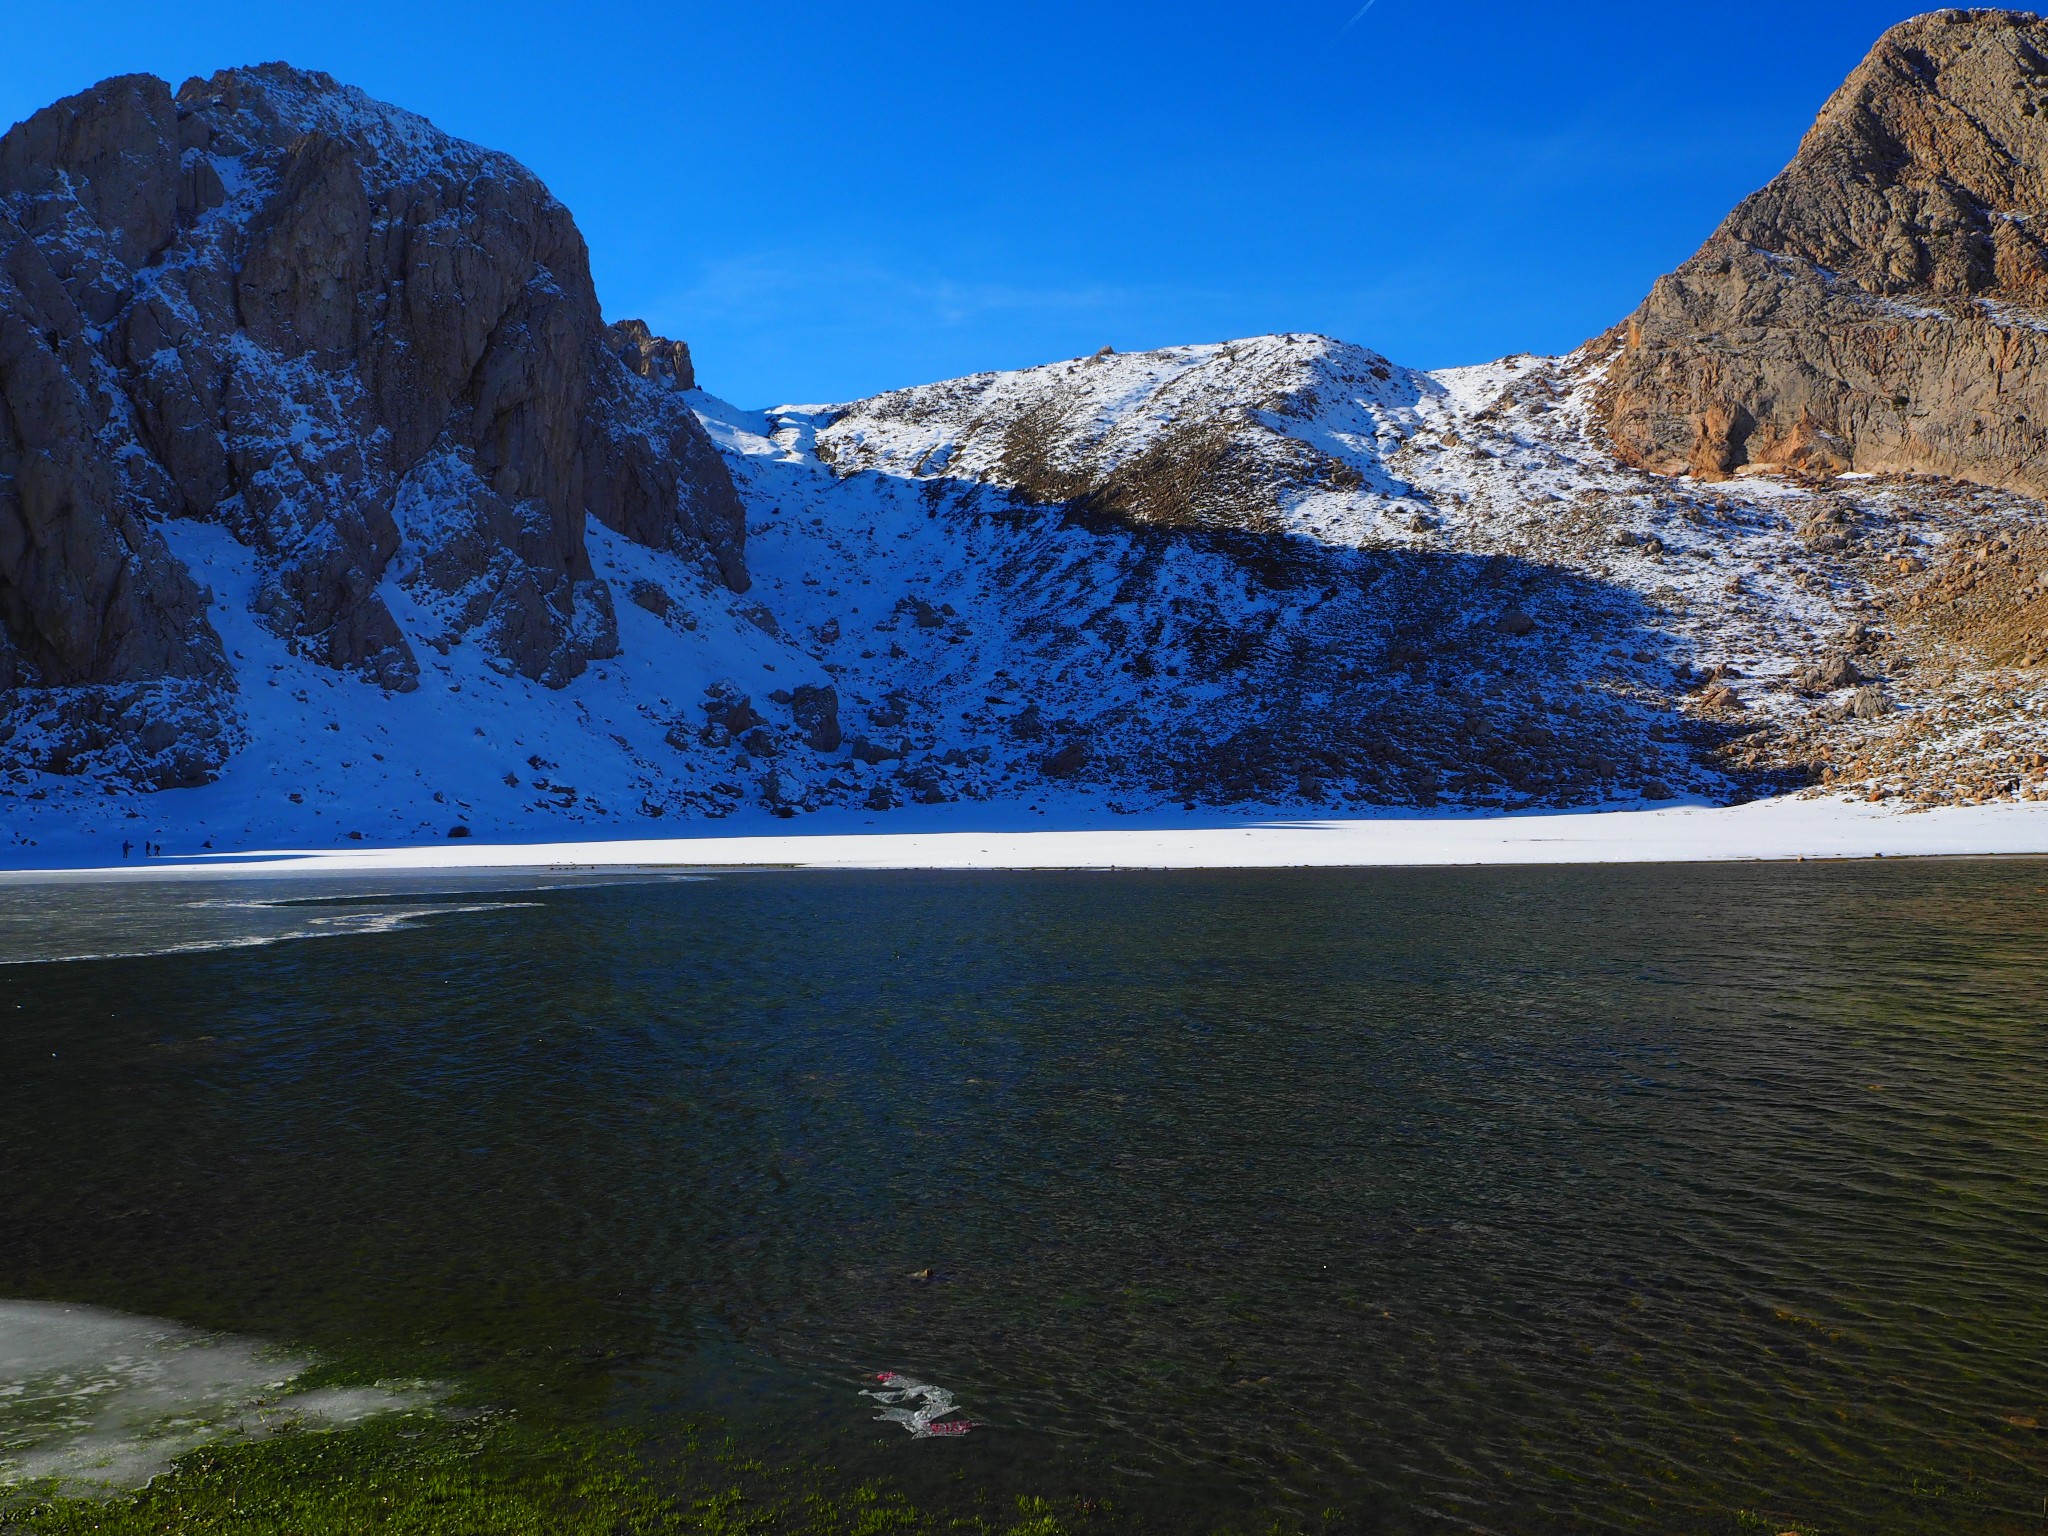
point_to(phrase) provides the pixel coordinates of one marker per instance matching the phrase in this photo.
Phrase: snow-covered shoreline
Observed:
(1783, 829)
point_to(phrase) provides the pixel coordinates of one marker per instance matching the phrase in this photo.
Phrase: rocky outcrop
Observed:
(654, 358)
(1883, 304)
(274, 304)
(655, 477)
(815, 708)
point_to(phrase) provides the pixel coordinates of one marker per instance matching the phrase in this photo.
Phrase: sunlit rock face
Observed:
(1883, 304)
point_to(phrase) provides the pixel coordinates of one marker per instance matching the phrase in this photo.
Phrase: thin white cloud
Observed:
(1355, 20)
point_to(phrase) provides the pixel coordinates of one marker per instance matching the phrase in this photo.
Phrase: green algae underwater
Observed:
(1675, 1199)
(509, 1479)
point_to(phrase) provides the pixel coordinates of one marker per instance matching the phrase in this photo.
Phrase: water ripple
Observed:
(1531, 1201)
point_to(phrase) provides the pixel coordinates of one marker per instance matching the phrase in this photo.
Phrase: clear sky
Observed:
(830, 199)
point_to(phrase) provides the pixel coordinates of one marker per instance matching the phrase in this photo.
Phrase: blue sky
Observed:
(828, 200)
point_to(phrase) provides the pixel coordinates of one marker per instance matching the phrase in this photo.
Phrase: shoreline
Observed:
(1779, 830)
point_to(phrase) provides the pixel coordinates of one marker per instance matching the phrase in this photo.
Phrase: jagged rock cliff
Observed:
(1883, 304)
(652, 357)
(272, 304)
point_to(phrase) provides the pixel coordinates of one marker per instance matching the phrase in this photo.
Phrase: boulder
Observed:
(815, 708)
(866, 751)
(1826, 676)
(926, 783)
(732, 712)
(1066, 762)
(653, 597)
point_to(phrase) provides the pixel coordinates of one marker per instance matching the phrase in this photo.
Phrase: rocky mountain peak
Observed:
(1878, 306)
(652, 357)
(272, 303)
(1927, 171)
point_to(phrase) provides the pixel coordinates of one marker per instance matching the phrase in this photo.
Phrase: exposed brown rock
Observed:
(272, 303)
(1827, 676)
(1881, 305)
(1721, 697)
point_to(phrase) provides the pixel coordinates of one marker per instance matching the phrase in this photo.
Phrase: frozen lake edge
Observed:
(1788, 828)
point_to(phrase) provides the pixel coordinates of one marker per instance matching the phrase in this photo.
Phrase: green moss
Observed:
(500, 1477)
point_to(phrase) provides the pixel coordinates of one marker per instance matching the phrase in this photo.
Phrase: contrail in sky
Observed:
(1354, 21)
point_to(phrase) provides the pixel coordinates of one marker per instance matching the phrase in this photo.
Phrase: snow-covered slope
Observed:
(327, 496)
(1881, 632)
(1363, 586)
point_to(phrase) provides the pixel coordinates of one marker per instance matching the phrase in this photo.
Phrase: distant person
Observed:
(126, 847)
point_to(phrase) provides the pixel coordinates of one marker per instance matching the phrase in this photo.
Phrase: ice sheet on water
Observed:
(116, 920)
(932, 1416)
(97, 1402)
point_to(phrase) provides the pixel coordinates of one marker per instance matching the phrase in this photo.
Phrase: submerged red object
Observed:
(932, 1416)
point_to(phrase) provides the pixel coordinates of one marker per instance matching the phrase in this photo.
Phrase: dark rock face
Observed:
(1066, 762)
(815, 708)
(98, 622)
(271, 303)
(680, 496)
(1883, 304)
(654, 358)
(656, 478)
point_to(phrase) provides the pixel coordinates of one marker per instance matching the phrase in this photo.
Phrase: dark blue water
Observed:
(1531, 1201)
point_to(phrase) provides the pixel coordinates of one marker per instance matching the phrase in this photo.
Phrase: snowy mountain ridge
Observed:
(1473, 607)
(331, 511)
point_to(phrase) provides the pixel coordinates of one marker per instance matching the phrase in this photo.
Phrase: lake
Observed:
(1656, 1198)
